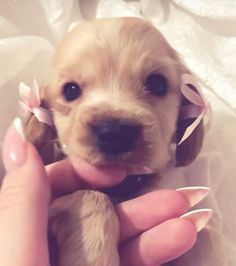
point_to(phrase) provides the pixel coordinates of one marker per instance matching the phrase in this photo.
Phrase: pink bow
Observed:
(30, 103)
(198, 107)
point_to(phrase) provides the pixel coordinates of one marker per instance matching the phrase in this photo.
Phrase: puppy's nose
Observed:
(116, 136)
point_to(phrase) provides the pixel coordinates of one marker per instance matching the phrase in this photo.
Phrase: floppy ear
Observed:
(43, 137)
(189, 149)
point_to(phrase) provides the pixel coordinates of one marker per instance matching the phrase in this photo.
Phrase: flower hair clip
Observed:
(197, 108)
(30, 103)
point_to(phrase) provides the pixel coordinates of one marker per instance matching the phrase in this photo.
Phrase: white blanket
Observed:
(204, 34)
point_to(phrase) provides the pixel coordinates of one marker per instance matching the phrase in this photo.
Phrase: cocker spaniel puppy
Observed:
(114, 93)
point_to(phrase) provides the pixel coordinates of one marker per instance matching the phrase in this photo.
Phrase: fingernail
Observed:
(14, 146)
(199, 217)
(194, 194)
(139, 170)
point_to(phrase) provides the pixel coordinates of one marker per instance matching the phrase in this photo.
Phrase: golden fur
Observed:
(110, 59)
(72, 217)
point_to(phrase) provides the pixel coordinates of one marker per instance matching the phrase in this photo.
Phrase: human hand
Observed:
(150, 235)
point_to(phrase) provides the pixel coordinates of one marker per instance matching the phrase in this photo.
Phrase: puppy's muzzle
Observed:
(115, 136)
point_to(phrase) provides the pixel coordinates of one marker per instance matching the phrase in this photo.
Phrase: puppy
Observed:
(114, 92)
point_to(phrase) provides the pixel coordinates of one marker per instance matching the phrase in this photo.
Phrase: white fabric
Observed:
(204, 34)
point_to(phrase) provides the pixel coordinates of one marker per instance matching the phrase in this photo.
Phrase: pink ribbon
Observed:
(198, 106)
(30, 103)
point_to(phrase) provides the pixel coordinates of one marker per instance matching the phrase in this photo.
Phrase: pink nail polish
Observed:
(14, 148)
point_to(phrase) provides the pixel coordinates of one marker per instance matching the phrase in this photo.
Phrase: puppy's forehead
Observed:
(119, 43)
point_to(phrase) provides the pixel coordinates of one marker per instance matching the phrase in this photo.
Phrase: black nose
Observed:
(116, 136)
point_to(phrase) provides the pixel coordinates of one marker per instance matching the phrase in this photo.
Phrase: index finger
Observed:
(62, 178)
(66, 176)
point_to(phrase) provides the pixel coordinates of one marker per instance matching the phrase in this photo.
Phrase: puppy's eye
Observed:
(71, 91)
(156, 84)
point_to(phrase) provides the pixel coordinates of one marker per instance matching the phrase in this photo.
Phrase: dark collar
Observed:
(129, 188)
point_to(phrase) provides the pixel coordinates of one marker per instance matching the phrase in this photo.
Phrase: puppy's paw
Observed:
(86, 229)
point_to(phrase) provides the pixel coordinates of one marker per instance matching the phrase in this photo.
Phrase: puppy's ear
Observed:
(188, 150)
(42, 136)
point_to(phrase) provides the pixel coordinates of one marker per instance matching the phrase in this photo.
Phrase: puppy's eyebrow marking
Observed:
(61, 108)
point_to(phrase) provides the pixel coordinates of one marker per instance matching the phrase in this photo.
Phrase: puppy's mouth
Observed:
(118, 182)
(113, 143)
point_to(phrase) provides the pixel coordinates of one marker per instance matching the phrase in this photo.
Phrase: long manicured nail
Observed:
(14, 149)
(199, 217)
(194, 194)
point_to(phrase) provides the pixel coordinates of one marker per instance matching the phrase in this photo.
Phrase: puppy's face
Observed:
(114, 93)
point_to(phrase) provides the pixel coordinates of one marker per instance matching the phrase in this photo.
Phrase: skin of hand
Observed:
(151, 234)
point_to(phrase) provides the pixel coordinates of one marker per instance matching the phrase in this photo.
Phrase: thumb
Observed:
(24, 200)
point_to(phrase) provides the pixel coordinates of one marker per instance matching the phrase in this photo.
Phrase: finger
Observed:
(63, 178)
(142, 213)
(68, 175)
(24, 200)
(98, 176)
(160, 244)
